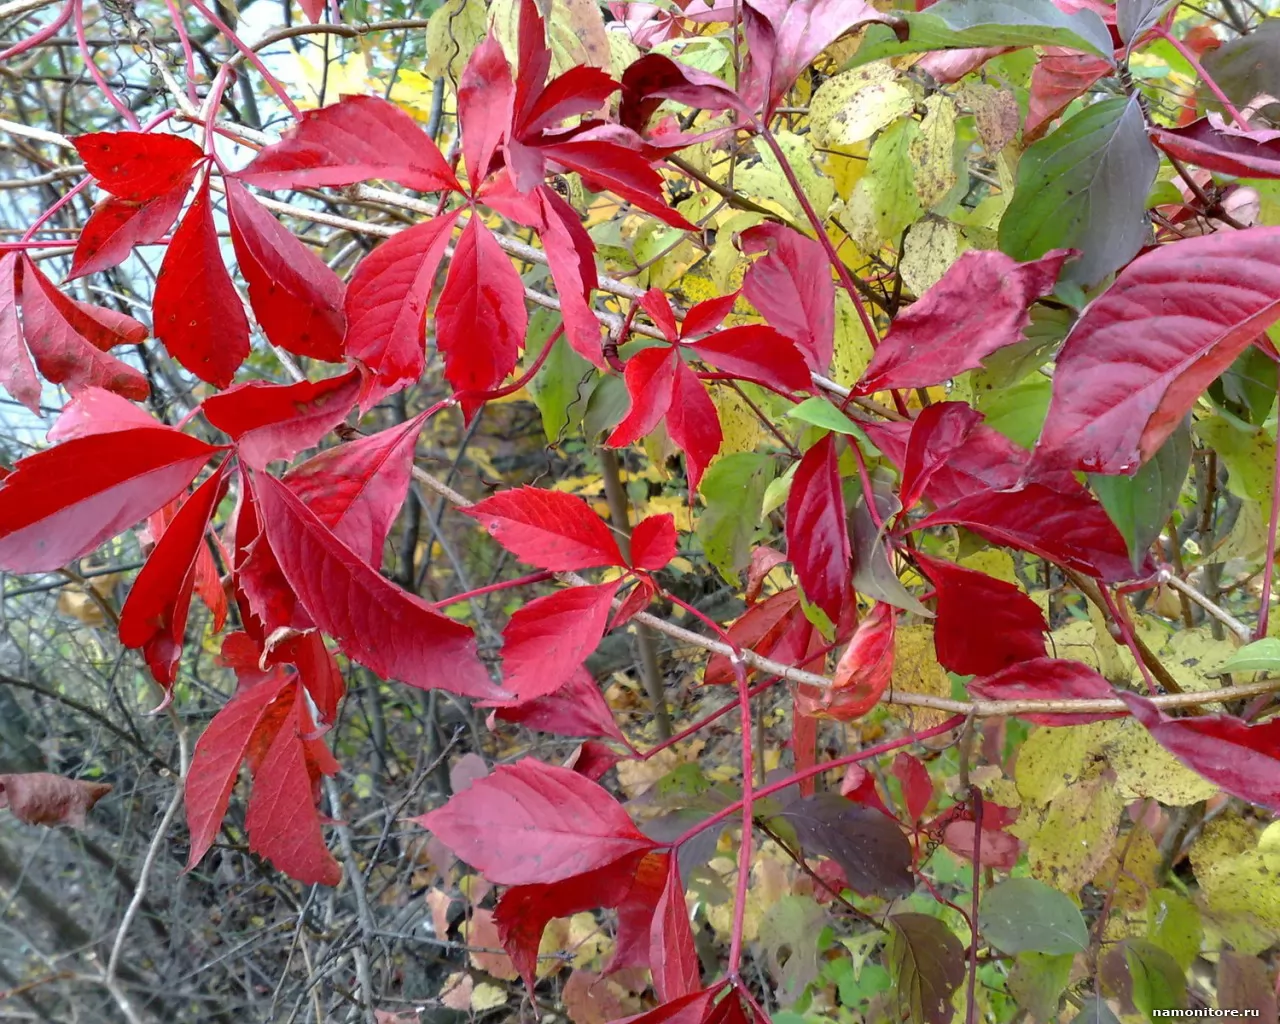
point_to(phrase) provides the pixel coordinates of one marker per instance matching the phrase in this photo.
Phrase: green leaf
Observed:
(776, 493)
(1173, 924)
(1095, 1011)
(555, 388)
(1249, 455)
(1259, 656)
(1247, 389)
(606, 406)
(959, 24)
(1140, 505)
(1022, 914)
(927, 964)
(1038, 980)
(1143, 977)
(1017, 411)
(821, 413)
(1085, 187)
(733, 489)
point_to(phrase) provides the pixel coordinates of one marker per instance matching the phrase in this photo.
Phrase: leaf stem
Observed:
(1187, 55)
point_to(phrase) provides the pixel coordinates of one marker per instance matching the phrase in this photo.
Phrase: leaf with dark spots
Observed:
(869, 846)
(138, 166)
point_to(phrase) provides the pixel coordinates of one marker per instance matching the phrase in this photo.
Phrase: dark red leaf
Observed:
(117, 225)
(154, 616)
(655, 78)
(1071, 529)
(356, 139)
(571, 259)
(481, 317)
(94, 411)
(17, 375)
(62, 503)
(607, 165)
(650, 375)
(296, 298)
(690, 1009)
(862, 675)
(653, 542)
(531, 822)
(1218, 147)
(357, 489)
(593, 759)
(791, 287)
(386, 302)
(1060, 76)
(635, 913)
(523, 911)
(547, 639)
(282, 820)
(576, 708)
(1044, 678)
(394, 633)
(39, 798)
(817, 535)
(68, 343)
(980, 305)
(197, 312)
(936, 435)
(672, 957)
(215, 763)
(485, 95)
(276, 421)
(1239, 758)
(917, 786)
(869, 846)
(758, 630)
(984, 624)
(549, 529)
(692, 422)
(636, 600)
(138, 165)
(756, 351)
(580, 90)
(1142, 352)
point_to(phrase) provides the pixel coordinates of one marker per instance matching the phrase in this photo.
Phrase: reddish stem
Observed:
(188, 54)
(48, 32)
(1189, 56)
(523, 379)
(1126, 634)
(971, 1003)
(251, 56)
(724, 637)
(702, 723)
(523, 581)
(121, 107)
(748, 817)
(819, 769)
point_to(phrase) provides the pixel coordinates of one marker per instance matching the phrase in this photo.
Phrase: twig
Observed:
(1218, 612)
(360, 954)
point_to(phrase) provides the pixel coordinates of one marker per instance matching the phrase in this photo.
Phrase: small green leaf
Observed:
(1173, 924)
(1140, 505)
(821, 413)
(560, 384)
(734, 492)
(1247, 388)
(1143, 977)
(1038, 980)
(1021, 914)
(776, 493)
(1259, 656)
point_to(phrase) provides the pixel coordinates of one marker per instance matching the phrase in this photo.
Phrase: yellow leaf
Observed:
(1077, 834)
(852, 106)
(487, 996)
(995, 112)
(575, 32)
(765, 179)
(453, 32)
(916, 670)
(933, 150)
(1051, 759)
(1136, 875)
(741, 427)
(1237, 875)
(994, 562)
(853, 349)
(931, 247)
(1145, 769)
(348, 75)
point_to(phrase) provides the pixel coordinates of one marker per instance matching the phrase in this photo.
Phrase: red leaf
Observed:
(1059, 77)
(154, 616)
(980, 305)
(94, 411)
(481, 317)
(817, 535)
(1215, 146)
(39, 798)
(137, 165)
(1239, 758)
(998, 850)
(523, 911)
(534, 823)
(266, 601)
(650, 375)
(655, 303)
(936, 435)
(485, 95)
(549, 529)
(386, 629)
(317, 670)
(197, 312)
(606, 165)
(756, 351)
(1071, 529)
(758, 630)
(653, 542)
(216, 761)
(576, 708)
(636, 600)
(863, 673)
(708, 315)
(1047, 679)
(672, 957)
(282, 821)
(1142, 352)
(547, 639)
(296, 298)
(984, 624)
(859, 785)
(690, 1009)
(276, 421)
(357, 489)
(386, 302)
(17, 375)
(63, 502)
(692, 422)
(917, 786)
(355, 139)
(313, 9)
(580, 90)
(68, 342)
(571, 259)
(764, 560)
(593, 759)
(117, 225)
(654, 78)
(791, 287)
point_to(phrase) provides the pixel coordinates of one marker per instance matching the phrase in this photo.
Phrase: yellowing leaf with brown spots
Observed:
(916, 670)
(931, 247)
(1049, 760)
(1145, 769)
(933, 150)
(854, 105)
(1077, 834)
(1237, 867)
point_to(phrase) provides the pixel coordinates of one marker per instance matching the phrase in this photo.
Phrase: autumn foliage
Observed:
(942, 329)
